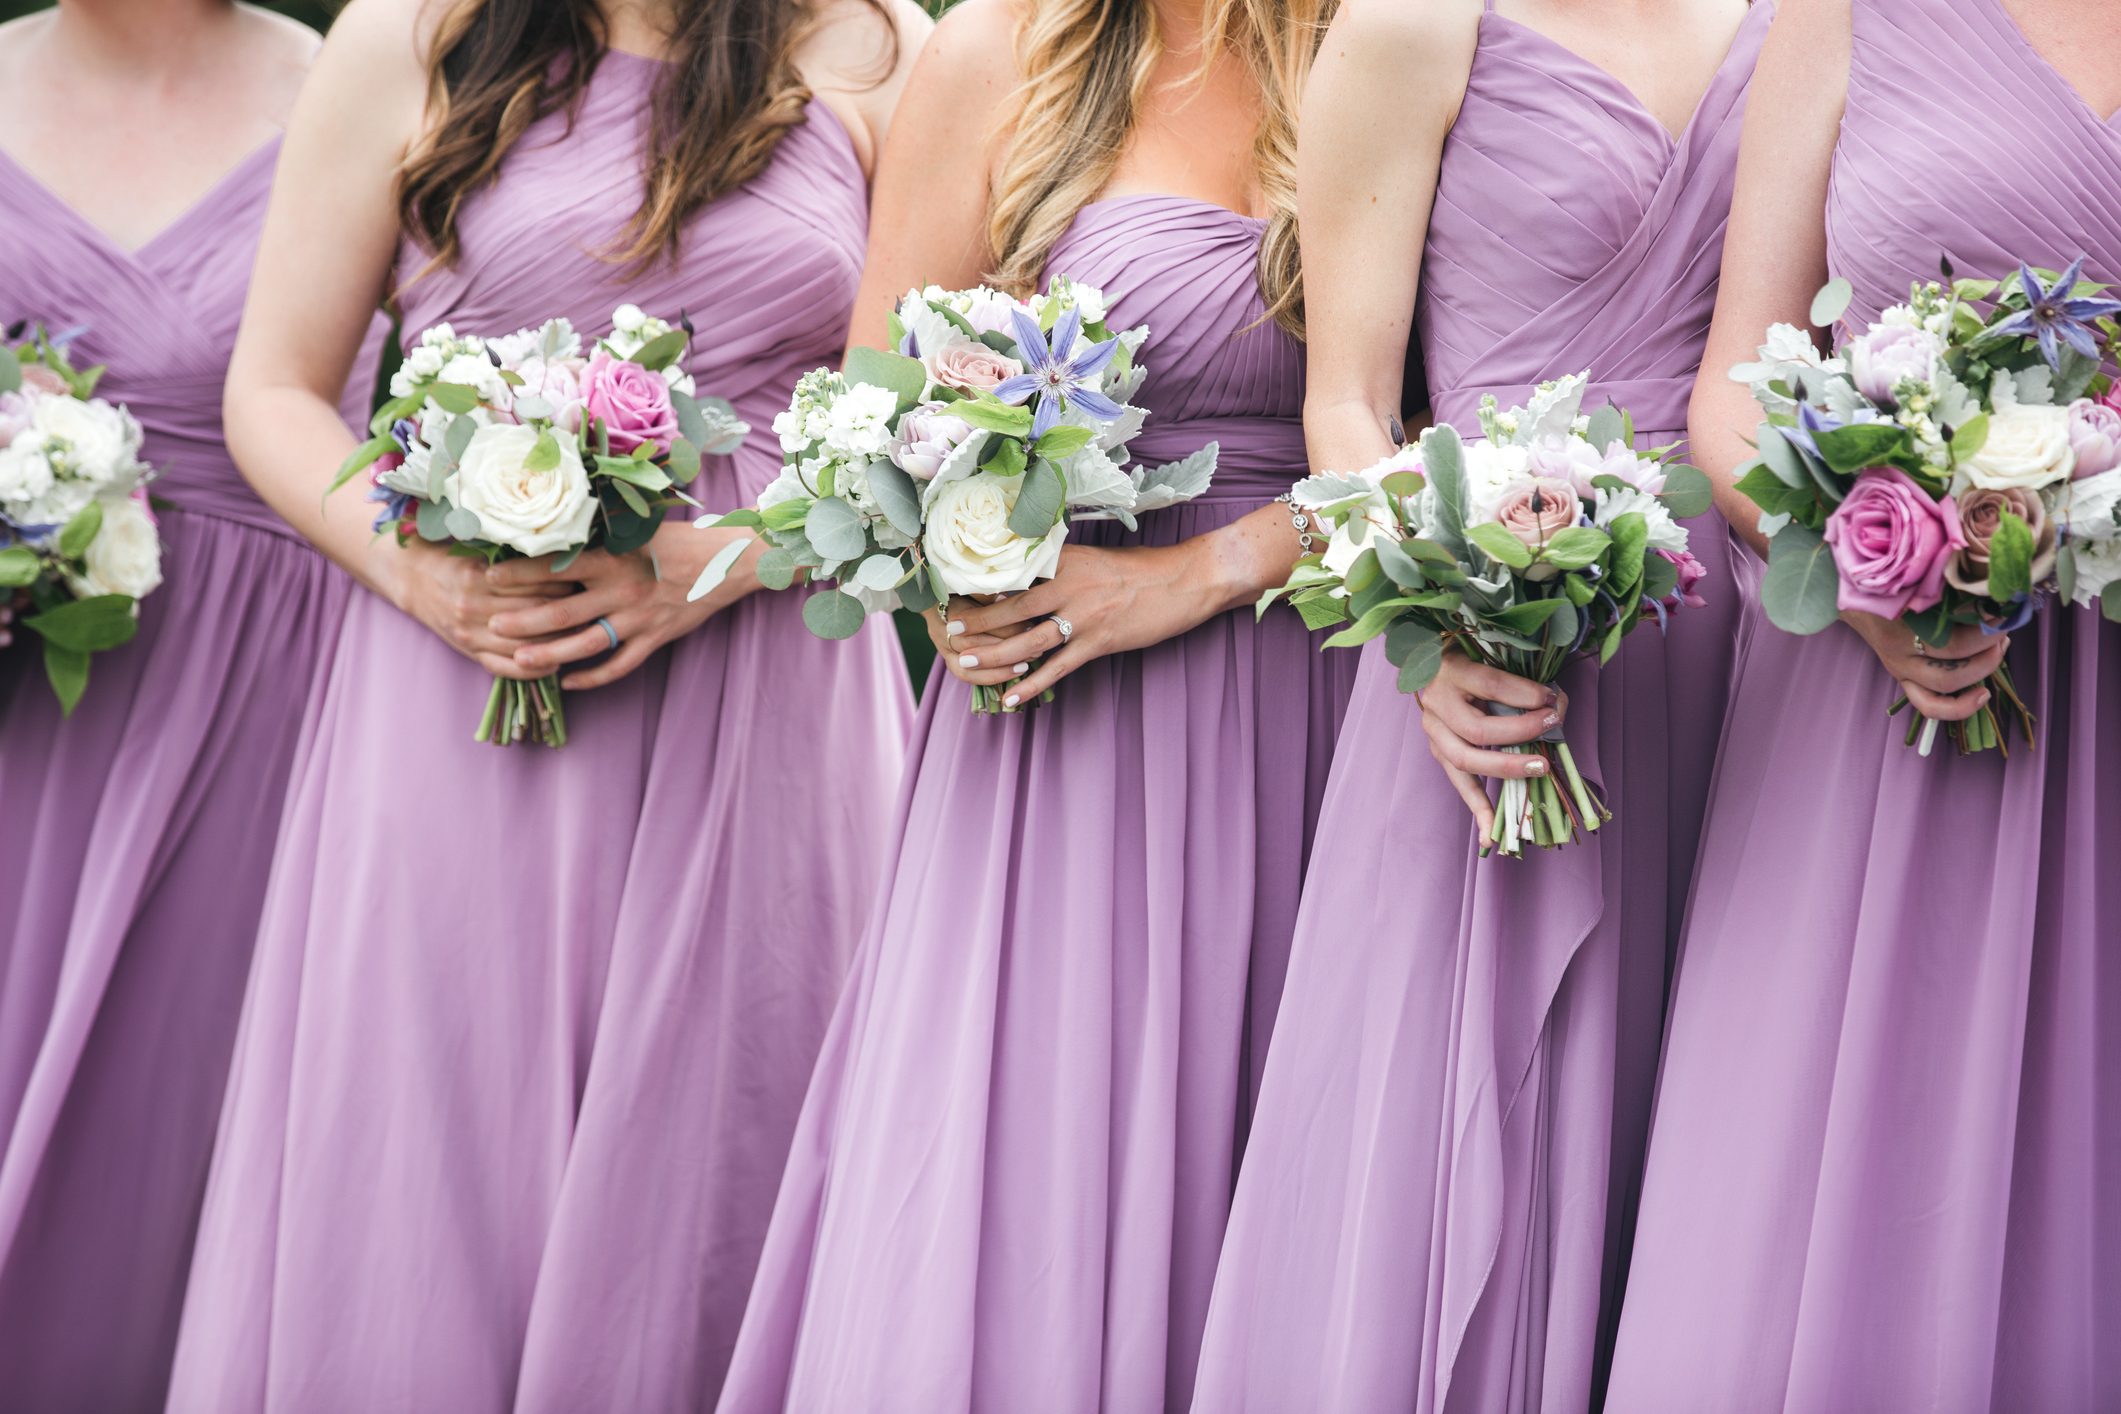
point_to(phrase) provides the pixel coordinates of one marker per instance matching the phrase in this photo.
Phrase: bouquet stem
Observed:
(1550, 810)
(1987, 730)
(519, 711)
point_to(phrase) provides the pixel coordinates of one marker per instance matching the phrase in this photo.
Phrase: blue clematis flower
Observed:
(1056, 373)
(2056, 318)
(1810, 423)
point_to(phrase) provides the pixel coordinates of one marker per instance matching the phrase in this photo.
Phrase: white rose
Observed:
(126, 555)
(534, 512)
(2028, 447)
(969, 541)
(91, 441)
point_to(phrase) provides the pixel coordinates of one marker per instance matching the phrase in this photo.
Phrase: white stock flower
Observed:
(969, 541)
(532, 512)
(858, 423)
(126, 555)
(2028, 447)
(628, 319)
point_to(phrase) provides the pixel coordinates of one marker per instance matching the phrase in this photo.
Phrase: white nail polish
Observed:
(1553, 719)
(1020, 669)
(968, 660)
(954, 627)
(1535, 768)
(1011, 700)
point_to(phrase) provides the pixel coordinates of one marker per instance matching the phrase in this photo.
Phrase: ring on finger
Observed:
(1067, 630)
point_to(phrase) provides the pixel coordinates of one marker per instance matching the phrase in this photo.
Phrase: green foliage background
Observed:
(317, 14)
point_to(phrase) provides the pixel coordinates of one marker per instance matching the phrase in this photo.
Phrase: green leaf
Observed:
(663, 350)
(747, 519)
(2110, 602)
(1322, 612)
(1416, 650)
(1831, 302)
(1801, 588)
(833, 614)
(67, 669)
(19, 567)
(1004, 456)
(905, 377)
(775, 569)
(10, 370)
(75, 539)
(2010, 559)
(1039, 501)
(1362, 572)
(1529, 617)
(1970, 437)
(635, 501)
(544, 453)
(836, 530)
(1766, 490)
(786, 515)
(1610, 644)
(1659, 578)
(684, 462)
(1372, 623)
(456, 398)
(917, 595)
(1607, 427)
(1575, 546)
(1861, 444)
(1631, 539)
(1782, 457)
(1687, 491)
(361, 459)
(898, 496)
(1501, 546)
(89, 625)
(646, 475)
(1443, 457)
(1060, 441)
(1398, 565)
(2065, 572)
(994, 415)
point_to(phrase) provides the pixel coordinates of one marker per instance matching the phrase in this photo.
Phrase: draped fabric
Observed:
(135, 836)
(1010, 1180)
(1892, 1096)
(1434, 1209)
(506, 999)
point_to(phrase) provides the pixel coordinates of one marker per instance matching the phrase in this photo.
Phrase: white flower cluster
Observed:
(64, 452)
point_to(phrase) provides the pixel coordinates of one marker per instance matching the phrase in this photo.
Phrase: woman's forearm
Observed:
(289, 443)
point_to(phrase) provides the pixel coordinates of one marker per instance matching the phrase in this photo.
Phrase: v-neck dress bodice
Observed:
(137, 835)
(1890, 1086)
(1441, 1175)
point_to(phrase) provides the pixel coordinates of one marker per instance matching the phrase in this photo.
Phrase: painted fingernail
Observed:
(968, 660)
(1020, 669)
(954, 627)
(1535, 767)
(1011, 700)
(1553, 719)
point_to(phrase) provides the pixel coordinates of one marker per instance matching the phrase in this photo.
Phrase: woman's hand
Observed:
(1464, 738)
(1943, 684)
(641, 595)
(1113, 600)
(453, 595)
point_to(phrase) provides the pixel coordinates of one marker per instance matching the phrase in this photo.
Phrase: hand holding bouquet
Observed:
(77, 540)
(525, 445)
(953, 466)
(1954, 466)
(1551, 540)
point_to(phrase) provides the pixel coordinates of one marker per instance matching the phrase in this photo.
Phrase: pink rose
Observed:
(925, 437)
(1535, 511)
(2095, 436)
(1980, 512)
(632, 403)
(1886, 355)
(36, 378)
(1577, 462)
(971, 367)
(560, 384)
(1891, 543)
(1691, 573)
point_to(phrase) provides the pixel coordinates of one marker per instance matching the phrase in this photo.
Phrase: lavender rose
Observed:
(1980, 512)
(2095, 436)
(925, 437)
(1538, 509)
(1887, 355)
(632, 403)
(971, 367)
(1577, 462)
(558, 382)
(1891, 543)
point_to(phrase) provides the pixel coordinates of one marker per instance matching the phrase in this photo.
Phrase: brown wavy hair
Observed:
(727, 96)
(1087, 66)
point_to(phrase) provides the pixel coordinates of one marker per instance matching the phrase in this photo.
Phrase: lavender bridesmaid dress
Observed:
(1011, 1176)
(514, 1005)
(135, 837)
(1437, 1191)
(1888, 1136)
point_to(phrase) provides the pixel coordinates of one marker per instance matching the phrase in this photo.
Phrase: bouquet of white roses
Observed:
(1550, 541)
(954, 465)
(526, 445)
(78, 546)
(1958, 464)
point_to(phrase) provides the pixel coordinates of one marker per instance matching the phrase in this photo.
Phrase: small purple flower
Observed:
(2056, 318)
(1056, 372)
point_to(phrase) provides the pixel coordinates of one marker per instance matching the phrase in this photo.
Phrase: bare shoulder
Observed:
(970, 59)
(860, 44)
(1410, 42)
(398, 34)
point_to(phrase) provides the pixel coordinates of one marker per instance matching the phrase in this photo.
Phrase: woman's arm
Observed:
(325, 257)
(1774, 261)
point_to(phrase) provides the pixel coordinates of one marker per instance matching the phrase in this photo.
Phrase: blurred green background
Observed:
(920, 653)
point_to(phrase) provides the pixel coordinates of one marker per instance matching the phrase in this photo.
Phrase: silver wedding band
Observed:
(609, 632)
(1067, 630)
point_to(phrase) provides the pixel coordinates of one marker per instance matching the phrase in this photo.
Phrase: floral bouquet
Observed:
(1549, 541)
(78, 547)
(525, 445)
(1956, 465)
(954, 465)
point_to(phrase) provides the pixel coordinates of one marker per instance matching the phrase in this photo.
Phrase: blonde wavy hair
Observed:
(1088, 65)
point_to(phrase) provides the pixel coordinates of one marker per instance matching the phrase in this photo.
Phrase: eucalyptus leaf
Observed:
(432, 521)
(1039, 501)
(831, 613)
(1783, 458)
(717, 570)
(1831, 302)
(836, 529)
(775, 569)
(1607, 427)
(663, 350)
(635, 501)
(10, 370)
(1398, 565)
(1687, 491)
(684, 462)
(564, 561)
(1801, 589)
(1443, 461)
(1417, 651)
(897, 495)
(453, 398)
(462, 525)
(904, 377)
(879, 572)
